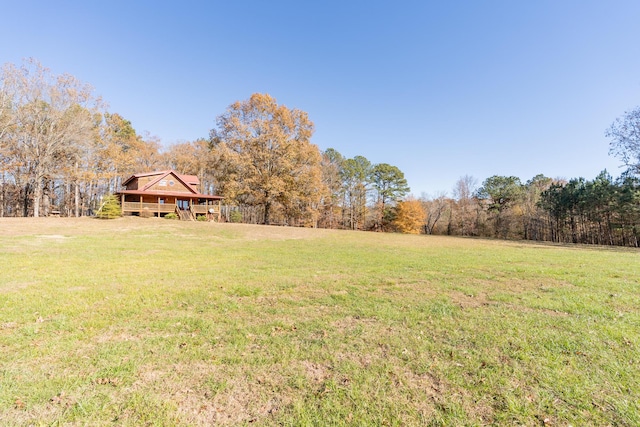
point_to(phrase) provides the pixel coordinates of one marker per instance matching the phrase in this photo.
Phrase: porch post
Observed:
(122, 204)
(158, 206)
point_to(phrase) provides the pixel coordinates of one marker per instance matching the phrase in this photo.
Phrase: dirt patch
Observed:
(467, 300)
(315, 372)
(53, 236)
(349, 322)
(211, 394)
(15, 286)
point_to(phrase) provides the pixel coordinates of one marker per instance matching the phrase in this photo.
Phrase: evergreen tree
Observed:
(110, 208)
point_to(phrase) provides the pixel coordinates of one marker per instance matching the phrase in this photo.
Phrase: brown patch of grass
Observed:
(206, 393)
(315, 372)
(468, 300)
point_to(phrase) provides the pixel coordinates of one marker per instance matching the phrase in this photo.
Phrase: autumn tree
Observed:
(44, 118)
(118, 139)
(193, 158)
(147, 155)
(121, 151)
(410, 216)
(263, 156)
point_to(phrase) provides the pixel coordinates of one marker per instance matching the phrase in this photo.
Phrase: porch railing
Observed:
(204, 209)
(151, 207)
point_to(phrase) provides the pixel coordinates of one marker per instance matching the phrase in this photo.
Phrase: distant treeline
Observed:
(603, 211)
(61, 152)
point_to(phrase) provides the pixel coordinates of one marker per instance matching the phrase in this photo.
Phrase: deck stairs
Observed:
(184, 215)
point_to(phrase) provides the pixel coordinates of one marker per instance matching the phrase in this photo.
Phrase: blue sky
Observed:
(439, 89)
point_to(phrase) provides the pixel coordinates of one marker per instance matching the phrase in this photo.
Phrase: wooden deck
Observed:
(151, 207)
(165, 208)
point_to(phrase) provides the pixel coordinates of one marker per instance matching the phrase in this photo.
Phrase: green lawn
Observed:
(159, 322)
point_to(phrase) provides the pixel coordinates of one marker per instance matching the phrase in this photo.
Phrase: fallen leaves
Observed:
(19, 404)
(108, 381)
(62, 399)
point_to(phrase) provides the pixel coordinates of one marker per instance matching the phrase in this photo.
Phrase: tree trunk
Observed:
(76, 200)
(46, 199)
(267, 209)
(25, 200)
(2, 196)
(37, 196)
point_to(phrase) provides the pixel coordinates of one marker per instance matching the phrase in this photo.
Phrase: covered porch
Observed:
(187, 207)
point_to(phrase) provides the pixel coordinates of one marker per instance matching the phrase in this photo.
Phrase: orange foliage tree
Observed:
(263, 157)
(410, 216)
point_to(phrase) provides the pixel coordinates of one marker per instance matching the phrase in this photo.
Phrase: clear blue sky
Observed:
(440, 89)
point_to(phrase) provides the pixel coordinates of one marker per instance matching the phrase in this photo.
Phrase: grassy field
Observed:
(158, 322)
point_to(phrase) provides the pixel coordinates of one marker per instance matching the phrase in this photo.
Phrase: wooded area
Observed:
(62, 153)
(601, 211)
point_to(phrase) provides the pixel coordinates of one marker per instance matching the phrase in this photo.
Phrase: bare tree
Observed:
(46, 118)
(625, 139)
(465, 205)
(434, 207)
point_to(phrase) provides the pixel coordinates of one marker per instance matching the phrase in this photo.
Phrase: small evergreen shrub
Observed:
(110, 208)
(171, 215)
(201, 218)
(235, 216)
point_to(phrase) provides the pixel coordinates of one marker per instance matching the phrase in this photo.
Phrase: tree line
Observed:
(603, 211)
(62, 152)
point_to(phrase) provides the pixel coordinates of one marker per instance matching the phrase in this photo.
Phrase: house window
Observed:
(163, 183)
(161, 201)
(171, 183)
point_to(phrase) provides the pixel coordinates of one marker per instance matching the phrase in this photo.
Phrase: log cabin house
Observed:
(160, 193)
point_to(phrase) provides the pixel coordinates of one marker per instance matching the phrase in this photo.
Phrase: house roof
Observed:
(164, 175)
(187, 179)
(141, 175)
(190, 179)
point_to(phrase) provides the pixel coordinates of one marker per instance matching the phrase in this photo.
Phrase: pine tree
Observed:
(110, 208)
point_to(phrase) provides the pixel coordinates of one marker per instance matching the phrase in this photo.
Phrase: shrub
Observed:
(171, 215)
(146, 213)
(110, 208)
(235, 216)
(201, 218)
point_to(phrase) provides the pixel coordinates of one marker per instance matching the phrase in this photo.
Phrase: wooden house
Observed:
(160, 193)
